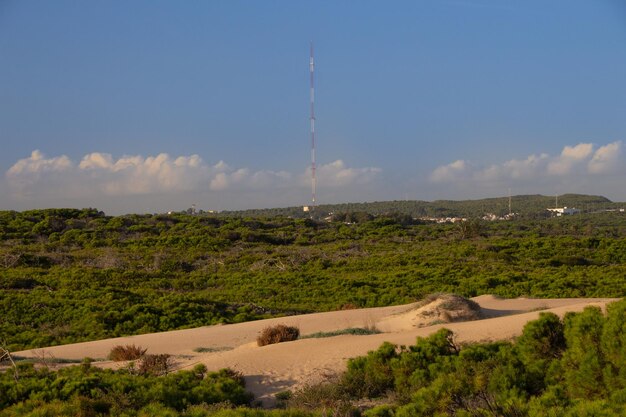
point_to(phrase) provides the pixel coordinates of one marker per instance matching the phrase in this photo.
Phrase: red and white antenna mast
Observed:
(312, 118)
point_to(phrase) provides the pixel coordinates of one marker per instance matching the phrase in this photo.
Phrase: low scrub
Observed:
(330, 398)
(126, 353)
(156, 365)
(211, 349)
(277, 334)
(354, 331)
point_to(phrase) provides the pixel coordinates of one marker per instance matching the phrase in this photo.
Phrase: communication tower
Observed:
(312, 120)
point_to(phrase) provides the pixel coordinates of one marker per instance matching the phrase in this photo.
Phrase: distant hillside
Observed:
(527, 205)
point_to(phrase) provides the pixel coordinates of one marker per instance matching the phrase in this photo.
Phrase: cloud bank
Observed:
(161, 182)
(581, 160)
(98, 174)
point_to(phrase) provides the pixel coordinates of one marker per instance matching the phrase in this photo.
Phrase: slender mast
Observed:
(312, 119)
(509, 201)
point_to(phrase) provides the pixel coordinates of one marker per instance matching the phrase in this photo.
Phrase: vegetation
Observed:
(126, 353)
(354, 331)
(570, 367)
(70, 275)
(212, 349)
(526, 205)
(86, 390)
(277, 334)
(155, 364)
(74, 275)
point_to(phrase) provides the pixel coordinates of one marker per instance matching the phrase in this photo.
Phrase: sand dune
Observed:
(274, 368)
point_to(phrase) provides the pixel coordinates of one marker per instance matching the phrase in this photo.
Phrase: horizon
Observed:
(208, 211)
(159, 107)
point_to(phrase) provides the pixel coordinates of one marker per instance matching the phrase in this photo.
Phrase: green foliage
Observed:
(555, 368)
(583, 361)
(371, 375)
(542, 342)
(381, 411)
(527, 205)
(86, 390)
(614, 348)
(71, 275)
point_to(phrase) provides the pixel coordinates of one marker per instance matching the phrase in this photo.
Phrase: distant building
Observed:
(490, 217)
(564, 211)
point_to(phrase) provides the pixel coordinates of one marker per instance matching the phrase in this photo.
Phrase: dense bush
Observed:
(570, 367)
(86, 390)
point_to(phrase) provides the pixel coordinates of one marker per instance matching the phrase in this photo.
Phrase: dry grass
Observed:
(126, 353)
(277, 334)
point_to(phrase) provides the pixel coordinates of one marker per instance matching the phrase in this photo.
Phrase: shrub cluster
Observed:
(569, 367)
(277, 334)
(89, 391)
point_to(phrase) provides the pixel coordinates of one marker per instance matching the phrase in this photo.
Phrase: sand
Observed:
(288, 366)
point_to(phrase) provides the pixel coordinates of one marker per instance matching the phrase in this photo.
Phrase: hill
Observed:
(526, 205)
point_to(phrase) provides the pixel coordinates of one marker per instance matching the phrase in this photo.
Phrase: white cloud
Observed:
(262, 179)
(337, 174)
(27, 173)
(242, 178)
(573, 162)
(450, 172)
(571, 157)
(515, 169)
(37, 164)
(606, 159)
(101, 174)
(142, 175)
(227, 178)
(96, 160)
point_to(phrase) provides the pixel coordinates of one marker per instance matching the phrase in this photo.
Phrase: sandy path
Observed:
(275, 368)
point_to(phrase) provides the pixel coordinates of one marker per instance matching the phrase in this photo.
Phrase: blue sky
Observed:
(149, 106)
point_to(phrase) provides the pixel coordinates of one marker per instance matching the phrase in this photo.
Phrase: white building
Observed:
(564, 211)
